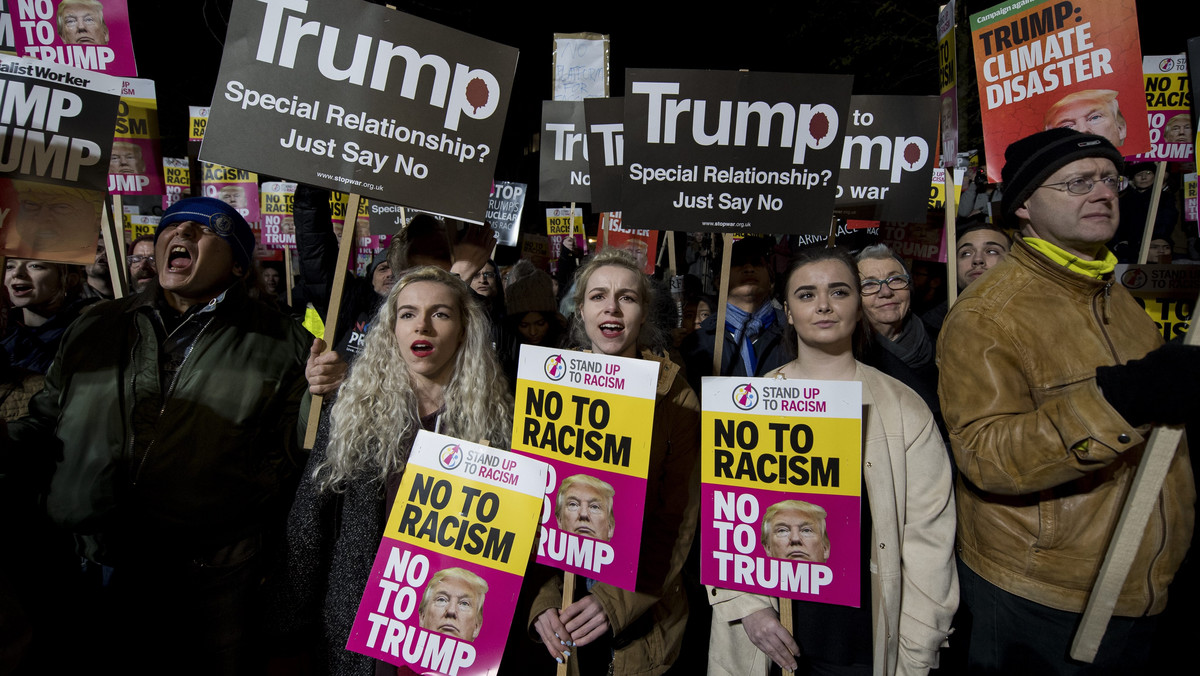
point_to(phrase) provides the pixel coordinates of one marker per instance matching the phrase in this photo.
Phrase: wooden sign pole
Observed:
(112, 233)
(1160, 173)
(719, 336)
(672, 266)
(567, 599)
(335, 303)
(951, 240)
(287, 272)
(785, 618)
(1131, 527)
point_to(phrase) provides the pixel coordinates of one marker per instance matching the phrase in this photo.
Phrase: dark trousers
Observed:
(1013, 635)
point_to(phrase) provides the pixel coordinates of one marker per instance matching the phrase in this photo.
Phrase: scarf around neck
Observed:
(746, 327)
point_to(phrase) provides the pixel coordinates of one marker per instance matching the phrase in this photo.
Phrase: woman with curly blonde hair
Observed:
(427, 364)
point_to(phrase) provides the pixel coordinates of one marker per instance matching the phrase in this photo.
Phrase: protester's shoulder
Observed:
(672, 385)
(894, 401)
(263, 319)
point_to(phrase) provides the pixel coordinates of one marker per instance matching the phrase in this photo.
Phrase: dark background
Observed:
(890, 48)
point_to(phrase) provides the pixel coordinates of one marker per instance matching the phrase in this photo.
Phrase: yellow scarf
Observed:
(1095, 269)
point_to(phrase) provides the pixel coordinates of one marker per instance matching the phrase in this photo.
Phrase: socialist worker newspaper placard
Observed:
(590, 416)
(1043, 64)
(781, 488)
(356, 97)
(734, 152)
(442, 592)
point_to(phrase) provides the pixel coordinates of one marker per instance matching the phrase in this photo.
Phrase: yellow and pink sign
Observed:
(591, 417)
(781, 488)
(457, 537)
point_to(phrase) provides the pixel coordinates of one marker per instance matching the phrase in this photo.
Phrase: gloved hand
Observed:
(1162, 387)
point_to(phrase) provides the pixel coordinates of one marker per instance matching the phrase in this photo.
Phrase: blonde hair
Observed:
(808, 508)
(649, 332)
(599, 485)
(375, 418)
(476, 583)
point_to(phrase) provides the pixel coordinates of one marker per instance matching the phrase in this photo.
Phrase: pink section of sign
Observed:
(133, 167)
(454, 633)
(242, 196)
(733, 555)
(78, 35)
(577, 538)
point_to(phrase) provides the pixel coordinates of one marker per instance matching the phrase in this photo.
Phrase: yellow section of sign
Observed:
(563, 225)
(196, 126)
(946, 67)
(464, 519)
(805, 454)
(610, 432)
(277, 203)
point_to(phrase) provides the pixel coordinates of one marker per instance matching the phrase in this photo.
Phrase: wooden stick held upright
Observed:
(287, 273)
(719, 341)
(671, 261)
(111, 233)
(951, 240)
(567, 599)
(785, 618)
(1141, 501)
(335, 304)
(1160, 173)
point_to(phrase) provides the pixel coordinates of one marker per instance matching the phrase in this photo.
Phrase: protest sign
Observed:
(141, 225)
(177, 179)
(83, 34)
(339, 203)
(781, 488)
(197, 122)
(1189, 197)
(1046, 63)
(134, 166)
(384, 221)
(844, 228)
(887, 158)
(562, 223)
(733, 151)
(456, 542)
(590, 416)
(236, 187)
(918, 241)
(937, 188)
(535, 248)
(58, 127)
(7, 43)
(505, 204)
(408, 111)
(1168, 292)
(580, 66)
(564, 171)
(641, 244)
(948, 83)
(278, 228)
(606, 150)
(1168, 106)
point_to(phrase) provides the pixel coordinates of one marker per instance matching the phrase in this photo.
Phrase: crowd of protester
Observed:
(162, 515)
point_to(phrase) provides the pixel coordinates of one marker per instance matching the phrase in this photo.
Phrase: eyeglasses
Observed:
(870, 287)
(134, 260)
(1083, 186)
(486, 276)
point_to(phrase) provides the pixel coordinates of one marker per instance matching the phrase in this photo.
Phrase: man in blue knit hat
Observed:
(167, 432)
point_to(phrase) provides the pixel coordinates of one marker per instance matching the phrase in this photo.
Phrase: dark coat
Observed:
(698, 348)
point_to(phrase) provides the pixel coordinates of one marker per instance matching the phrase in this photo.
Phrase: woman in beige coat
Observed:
(907, 478)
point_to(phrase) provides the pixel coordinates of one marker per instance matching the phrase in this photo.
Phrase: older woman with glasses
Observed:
(900, 344)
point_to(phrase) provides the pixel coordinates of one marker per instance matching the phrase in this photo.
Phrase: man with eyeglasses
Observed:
(1051, 377)
(141, 263)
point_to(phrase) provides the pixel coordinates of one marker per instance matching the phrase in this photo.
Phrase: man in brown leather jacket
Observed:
(1051, 376)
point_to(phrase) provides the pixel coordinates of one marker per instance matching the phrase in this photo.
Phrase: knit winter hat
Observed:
(1030, 161)
(221, 218)
(533, 292)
